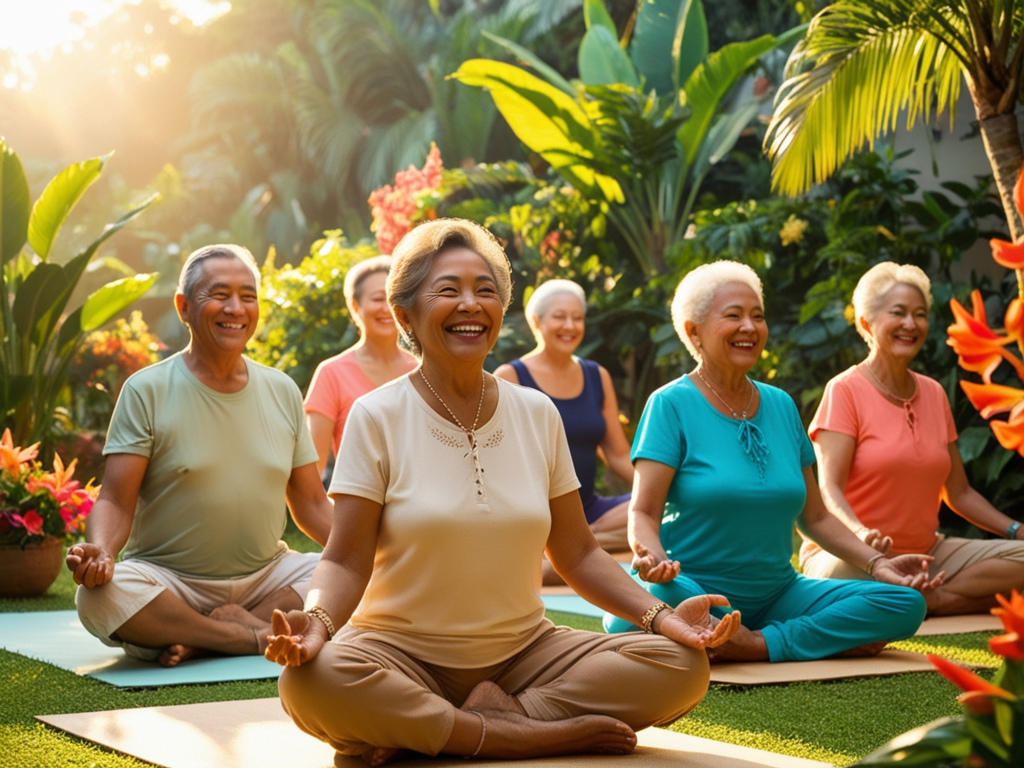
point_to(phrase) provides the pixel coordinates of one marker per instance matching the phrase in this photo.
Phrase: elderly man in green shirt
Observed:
(203, 453)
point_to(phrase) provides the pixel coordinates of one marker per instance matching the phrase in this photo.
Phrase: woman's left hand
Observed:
(907, 571)
(691, 623)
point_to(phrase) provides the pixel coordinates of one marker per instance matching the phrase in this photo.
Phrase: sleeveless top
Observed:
(582, 419)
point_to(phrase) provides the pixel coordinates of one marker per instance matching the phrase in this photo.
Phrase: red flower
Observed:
(979, 347)
(1010, 433)
(31, 522)
(1009, 255)
(969, 682)
(396, 208)
(1011, 613)
(990, 399)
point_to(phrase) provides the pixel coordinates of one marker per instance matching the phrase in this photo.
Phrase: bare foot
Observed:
(236, 614)
(861, 651)
(174, 654)
(488, 696)
(745, 645)
(514, 736)
(381, 755)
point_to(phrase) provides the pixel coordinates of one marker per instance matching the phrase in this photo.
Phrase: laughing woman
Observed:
(582, 392)
(724, 470)
(449, 485)
(886, 445)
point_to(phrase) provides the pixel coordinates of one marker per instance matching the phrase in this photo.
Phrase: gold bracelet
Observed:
(871, 563)
(321, 614)
(647, 622)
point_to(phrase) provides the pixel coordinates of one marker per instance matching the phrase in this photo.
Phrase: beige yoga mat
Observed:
(956, 625)
(888, 662)
(243, 734)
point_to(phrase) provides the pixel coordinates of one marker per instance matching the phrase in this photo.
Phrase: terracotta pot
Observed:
(30, 571)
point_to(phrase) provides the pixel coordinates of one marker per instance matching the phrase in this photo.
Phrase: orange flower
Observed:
(1010, 434)
(990, 399)
(979, 347)
(1014, 320)
(12, 458)
(967, 681)
(58, 482)
(1018, 193)
(1009, 255)
(1011, 613)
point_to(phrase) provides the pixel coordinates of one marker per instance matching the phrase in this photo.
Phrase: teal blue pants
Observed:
(810, 618)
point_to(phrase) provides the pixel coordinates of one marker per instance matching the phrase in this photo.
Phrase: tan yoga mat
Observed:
(888, 662)
(243, 734)
(956, 625)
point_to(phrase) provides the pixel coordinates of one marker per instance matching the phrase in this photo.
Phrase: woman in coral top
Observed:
(375, 359)
(887, 456)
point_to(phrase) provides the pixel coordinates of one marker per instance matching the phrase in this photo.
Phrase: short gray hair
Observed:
(354, 282)
(541, 298)
(192, 270)
(412, 257)
(878, 281)
(697, 290)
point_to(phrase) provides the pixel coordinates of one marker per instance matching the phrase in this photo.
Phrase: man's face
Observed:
(224, 309)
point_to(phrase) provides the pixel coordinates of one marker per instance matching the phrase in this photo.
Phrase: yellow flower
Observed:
(793, 230)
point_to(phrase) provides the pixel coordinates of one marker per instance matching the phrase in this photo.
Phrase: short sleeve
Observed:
(659, 435)
(362, 467)
(131, 425)
(561, 472)
(837, 411)
(324, 396)
(305, 451)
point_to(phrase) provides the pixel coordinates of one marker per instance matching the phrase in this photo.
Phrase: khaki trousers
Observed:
(359, 692)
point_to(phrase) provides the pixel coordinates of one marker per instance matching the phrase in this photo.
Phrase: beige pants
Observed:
(359, 693)
(136, 583)
(952, 555)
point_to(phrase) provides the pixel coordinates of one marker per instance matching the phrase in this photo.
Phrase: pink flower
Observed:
(396, 208)
(31, 522)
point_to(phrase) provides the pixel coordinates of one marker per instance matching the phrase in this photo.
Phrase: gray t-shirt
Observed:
(212, 503)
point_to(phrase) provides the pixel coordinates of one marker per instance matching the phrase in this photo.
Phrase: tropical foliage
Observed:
(38, 339)
(863, 62)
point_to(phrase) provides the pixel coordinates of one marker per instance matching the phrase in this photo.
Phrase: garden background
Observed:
(281, 125)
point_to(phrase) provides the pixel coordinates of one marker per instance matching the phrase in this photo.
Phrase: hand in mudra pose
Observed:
(297, 637)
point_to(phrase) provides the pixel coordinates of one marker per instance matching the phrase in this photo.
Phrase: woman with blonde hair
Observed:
(374, 360)
(888, 457)
(423, 629)
(583, 393)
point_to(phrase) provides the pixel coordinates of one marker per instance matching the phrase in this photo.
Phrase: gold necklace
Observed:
(735, 415)
(474, 452)
(908, 409)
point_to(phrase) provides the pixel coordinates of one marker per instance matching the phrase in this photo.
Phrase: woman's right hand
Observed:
(296, 638)
(654, 567)
(874, 539)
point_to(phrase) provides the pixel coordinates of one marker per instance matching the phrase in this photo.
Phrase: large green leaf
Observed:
(528, 57)
(722, 136)
(546, 120)
(938, 742)
(602, 60)
(653, 37)
(14, 204)
(595, 14)
(690, 43)
(113, 298)
(57, 200)
(709, 84)
(35, 301)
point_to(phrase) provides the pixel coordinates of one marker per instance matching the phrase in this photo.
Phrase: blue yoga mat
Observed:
(571, 604)
(58, 638)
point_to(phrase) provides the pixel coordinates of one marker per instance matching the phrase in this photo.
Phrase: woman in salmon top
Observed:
(887, 454)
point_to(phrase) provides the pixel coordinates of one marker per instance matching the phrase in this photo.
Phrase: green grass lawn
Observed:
(837, 722)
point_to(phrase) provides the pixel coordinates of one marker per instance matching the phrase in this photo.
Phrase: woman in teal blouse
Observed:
(724, 470)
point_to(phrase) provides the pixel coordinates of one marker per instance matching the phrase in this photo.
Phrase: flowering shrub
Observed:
(103, 364)
(36, 504)
(991, 734)
(982, 350)
(414, 198)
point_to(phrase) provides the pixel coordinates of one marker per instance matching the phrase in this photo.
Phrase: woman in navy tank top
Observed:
(583, 394)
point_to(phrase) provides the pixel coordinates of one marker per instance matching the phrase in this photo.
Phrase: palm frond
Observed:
(848, 80)
(237, 89)
(392, 148)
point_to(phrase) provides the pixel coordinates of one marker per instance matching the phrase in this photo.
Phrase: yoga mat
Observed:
(58, 638)
(888, 662)
(956, 625)
(257, 732)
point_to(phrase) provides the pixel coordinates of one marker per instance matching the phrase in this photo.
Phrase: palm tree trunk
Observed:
(1003, 148)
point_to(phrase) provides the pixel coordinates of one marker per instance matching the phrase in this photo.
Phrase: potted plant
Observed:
(40, 512)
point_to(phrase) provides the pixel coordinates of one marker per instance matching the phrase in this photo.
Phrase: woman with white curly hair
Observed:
(887, 454)
(723, 471)
(583, 393)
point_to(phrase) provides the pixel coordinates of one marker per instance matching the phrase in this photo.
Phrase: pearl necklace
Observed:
(908, 410)
(481, 496)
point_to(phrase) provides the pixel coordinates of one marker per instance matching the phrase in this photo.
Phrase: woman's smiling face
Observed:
(458, 311)
(899, 326)
(734, 332)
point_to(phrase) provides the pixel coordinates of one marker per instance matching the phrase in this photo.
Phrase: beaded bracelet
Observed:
(321, 614)
(647, 622)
